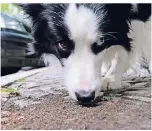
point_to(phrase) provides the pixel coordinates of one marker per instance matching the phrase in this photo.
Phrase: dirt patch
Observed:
(56, 112)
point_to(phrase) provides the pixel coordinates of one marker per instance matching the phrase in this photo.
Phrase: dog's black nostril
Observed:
(85, 96)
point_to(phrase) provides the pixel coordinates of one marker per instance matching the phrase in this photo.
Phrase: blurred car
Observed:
(15, 38)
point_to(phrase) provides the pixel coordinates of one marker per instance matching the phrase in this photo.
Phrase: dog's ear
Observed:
(39, 25)
(33, 10)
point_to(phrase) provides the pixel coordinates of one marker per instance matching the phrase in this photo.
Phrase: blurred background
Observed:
(10, 8)
(17, 48)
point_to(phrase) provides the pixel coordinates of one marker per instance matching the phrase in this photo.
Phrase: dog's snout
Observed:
(85, 96)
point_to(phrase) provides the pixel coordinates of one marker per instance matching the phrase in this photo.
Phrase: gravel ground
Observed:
(56, 112)
(44, 104)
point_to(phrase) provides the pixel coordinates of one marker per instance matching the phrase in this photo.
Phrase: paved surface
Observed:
(43, 103)
(7, 79)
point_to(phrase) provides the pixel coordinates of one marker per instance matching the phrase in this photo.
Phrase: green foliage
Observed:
(10, 8)
(21, 80)
(10, 90)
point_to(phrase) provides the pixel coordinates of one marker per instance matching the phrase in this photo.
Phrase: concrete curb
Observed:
(8, 79)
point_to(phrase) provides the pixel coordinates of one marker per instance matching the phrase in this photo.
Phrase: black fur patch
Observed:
(143, 12)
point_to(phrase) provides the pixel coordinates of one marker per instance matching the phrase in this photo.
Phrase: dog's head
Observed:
(79, 35)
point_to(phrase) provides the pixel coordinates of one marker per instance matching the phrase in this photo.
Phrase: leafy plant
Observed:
(21, 80)
(10, 90)
(10, 8)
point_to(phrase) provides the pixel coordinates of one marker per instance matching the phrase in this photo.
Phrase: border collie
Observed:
(92, 40)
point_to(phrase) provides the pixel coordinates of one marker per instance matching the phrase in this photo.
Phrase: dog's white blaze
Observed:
(82, 68)
(82, 24)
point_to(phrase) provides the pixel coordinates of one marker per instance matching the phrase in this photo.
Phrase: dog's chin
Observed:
(86, 103)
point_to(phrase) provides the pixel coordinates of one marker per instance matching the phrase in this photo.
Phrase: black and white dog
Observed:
(92, 40)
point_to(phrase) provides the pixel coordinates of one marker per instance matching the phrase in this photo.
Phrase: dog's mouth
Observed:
(86, 103)
(92, 103)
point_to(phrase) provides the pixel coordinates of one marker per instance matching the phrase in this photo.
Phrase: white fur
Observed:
(77, 19)
(141, 45)
(82, 68)
(119, 59)
(141, 34)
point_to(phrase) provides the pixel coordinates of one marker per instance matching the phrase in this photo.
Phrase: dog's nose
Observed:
(85, 96)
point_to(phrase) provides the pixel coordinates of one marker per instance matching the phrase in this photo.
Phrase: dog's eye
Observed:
(101, 41)
(62, 46)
